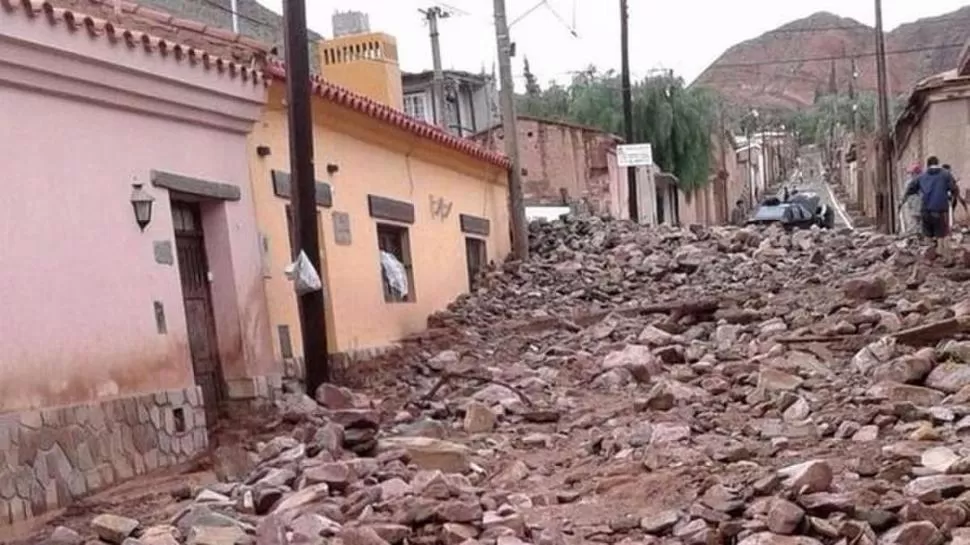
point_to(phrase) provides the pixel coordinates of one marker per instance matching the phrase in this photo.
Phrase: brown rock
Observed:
(913, 533)
(455, 534)
(492, 521)
(394, 488)
(395, 534)
(336, 474)
(696, 532)
(773, 380)
(808, 477)
(361, 536)
(303, 497)
(659, 523)
(65, 536)
(112, 528)
(784, 517)
(904, 393)
(909, 369)
(460, 511)
(428, 453)
(478, 418)
(432, 484)
(215, 535)
(939, 459)
(160, 535)
(949, 377)
(768, 538)
(937, 487)
(865, 288)
(334, 397)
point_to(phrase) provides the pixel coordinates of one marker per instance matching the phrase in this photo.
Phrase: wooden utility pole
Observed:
(432, 14)
(304, 200)
(724, 207)
(884, 169)
(520, 229)
(631, 172)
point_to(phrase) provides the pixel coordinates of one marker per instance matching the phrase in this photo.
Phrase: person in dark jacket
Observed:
(936, 187)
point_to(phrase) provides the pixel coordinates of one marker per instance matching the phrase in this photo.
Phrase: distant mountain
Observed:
(750, 73)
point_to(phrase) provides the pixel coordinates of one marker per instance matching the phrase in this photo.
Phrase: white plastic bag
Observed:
(395, 274)
(305, 278)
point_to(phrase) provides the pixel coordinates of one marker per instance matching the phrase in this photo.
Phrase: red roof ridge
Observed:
(97, 27)
(386, 114)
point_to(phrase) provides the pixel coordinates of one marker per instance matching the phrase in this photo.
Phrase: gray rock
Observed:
(913, 533)
(112, 528)
(64, 536)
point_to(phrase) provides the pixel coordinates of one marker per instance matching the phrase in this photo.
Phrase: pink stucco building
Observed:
(118, 344)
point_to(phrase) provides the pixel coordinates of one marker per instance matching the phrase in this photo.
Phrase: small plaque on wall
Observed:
(341, 228)
(163, 252)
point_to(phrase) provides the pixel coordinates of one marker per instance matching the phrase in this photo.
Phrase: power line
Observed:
(836, 57)
(754, 64)
(859, 27)
(238, 14)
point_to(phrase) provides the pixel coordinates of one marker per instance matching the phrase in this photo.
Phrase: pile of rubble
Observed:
(637, 386)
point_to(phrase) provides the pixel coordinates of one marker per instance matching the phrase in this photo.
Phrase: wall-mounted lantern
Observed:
(142, 203)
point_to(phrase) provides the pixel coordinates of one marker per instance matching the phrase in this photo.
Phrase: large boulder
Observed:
(428, 453)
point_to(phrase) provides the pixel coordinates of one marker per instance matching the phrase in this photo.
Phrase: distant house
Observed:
(471, 100)
(565, 163)
(712, 203)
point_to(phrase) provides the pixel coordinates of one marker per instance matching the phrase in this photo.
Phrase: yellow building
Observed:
(438, 203)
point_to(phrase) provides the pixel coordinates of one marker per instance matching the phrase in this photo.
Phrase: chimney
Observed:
(362, 61)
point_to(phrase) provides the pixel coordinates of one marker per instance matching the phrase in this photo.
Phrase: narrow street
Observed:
(811, 176)
(290, 295)
(628, 385)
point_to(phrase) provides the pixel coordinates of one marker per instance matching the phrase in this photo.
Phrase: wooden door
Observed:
(200, 322)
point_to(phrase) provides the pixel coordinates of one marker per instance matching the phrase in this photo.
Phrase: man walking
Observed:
(935, 187)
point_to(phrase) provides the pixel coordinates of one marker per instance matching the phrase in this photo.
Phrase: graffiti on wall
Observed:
(440, 208)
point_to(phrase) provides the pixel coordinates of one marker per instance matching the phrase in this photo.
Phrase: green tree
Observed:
(675, 119)
(532, 88)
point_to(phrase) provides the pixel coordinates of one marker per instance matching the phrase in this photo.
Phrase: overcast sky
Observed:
(683, 35)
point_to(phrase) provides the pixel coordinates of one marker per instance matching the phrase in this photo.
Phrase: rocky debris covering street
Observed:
(634, 386)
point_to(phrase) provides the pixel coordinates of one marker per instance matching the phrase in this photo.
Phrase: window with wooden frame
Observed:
(394, 240)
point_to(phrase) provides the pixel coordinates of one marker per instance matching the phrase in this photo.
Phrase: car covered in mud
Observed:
(801, 210)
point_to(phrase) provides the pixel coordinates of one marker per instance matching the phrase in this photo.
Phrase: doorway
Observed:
(476, 258)
(197, 298)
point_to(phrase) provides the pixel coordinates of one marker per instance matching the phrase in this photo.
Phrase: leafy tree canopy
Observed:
(676, 120)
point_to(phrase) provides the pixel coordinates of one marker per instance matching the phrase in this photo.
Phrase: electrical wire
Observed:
(237, 14)
(836, 57)
(859, 26)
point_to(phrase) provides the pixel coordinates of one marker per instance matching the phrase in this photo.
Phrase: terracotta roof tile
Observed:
(367, 106)
(198, 44)
(102, 27)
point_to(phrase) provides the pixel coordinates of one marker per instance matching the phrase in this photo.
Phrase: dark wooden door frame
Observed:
(193, 262)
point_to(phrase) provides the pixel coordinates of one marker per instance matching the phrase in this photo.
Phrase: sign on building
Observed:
(634, 155)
